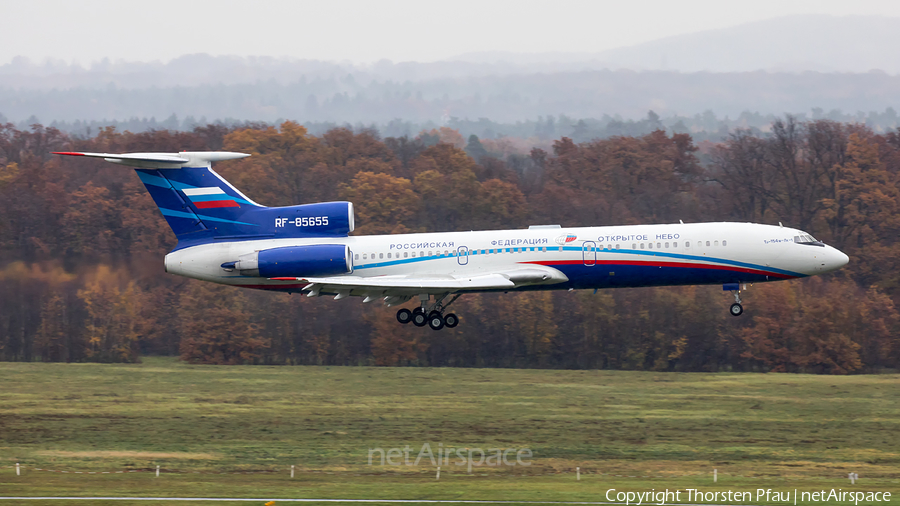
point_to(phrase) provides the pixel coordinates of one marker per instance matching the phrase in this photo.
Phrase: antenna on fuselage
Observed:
(780, 225)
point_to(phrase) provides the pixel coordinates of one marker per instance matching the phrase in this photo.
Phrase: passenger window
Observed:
(389, 255)
(667, 245)
(716, 243)
(560, 248)
(381, 255)
(707, 243)
(405, 254)
(356, 257)
(687, 244)
(429, 253)
(724, 243)
(642, 245)
(617, 246)
(649, 245)
(658, 245)
(364, 256)
(674, 244)
(634, 246)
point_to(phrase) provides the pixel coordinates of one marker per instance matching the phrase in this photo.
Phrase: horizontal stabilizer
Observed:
(161, 160)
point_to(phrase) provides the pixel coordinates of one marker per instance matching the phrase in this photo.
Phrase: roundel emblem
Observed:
(567, 238)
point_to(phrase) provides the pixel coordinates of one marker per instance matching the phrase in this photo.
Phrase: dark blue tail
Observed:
(200, 206)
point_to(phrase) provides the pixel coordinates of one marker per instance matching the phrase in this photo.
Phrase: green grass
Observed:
(665, 429)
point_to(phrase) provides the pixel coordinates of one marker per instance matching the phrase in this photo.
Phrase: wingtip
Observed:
(68, 153)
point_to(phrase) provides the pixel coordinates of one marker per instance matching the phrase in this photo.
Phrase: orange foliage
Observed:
(84, 243)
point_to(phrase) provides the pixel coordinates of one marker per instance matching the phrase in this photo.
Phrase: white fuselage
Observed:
(590, 257)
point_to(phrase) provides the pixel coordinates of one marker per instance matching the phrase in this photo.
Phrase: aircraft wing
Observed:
(416, 284)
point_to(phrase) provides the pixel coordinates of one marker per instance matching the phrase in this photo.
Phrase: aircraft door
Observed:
(589, 253)
(462, 255)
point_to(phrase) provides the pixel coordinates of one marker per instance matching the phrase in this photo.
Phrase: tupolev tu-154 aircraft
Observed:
(226, 238)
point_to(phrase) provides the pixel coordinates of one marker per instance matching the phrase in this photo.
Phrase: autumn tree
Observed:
(216, 326)
(384, 204)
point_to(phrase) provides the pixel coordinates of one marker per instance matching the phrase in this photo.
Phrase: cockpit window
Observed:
(805, 238)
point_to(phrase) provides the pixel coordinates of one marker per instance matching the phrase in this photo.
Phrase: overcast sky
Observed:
(86, 31)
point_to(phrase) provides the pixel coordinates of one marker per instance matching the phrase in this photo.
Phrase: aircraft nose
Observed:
(842, 258)
(836, 259)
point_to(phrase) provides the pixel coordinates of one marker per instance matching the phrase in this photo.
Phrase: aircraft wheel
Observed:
(435, 320)
(451, 320)
(737, 309)
(419, 319)
(404, 316)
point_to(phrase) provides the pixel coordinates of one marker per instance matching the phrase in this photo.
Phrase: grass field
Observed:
(624, 430)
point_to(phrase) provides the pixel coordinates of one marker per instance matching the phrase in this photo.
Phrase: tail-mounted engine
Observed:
(314, 260)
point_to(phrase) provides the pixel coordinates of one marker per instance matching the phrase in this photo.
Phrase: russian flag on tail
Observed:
(210, 197)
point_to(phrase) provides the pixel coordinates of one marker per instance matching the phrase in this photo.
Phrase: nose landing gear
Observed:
(736, 309)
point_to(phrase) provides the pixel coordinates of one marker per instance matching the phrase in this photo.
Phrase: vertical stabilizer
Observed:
(201, 206)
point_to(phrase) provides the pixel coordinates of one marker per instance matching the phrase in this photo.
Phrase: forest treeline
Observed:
(82, 276)
(541, 131)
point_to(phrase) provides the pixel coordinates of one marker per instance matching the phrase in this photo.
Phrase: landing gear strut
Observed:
(736, 309)
(431, 315)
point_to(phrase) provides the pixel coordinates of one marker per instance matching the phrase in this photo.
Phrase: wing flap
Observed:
(488, 281)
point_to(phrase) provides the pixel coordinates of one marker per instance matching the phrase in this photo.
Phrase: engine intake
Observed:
(295, 261)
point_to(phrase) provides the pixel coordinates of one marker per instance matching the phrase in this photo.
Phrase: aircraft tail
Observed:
(201, 206)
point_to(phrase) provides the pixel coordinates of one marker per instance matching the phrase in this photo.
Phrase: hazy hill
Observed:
(791, 64)
(790, 43)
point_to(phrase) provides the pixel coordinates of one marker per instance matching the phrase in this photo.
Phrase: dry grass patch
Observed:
(126, 454)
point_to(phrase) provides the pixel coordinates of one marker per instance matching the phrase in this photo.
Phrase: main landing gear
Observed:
(736, 309)
(432, 315)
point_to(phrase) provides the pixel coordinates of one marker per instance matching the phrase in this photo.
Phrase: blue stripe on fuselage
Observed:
(680, 256)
